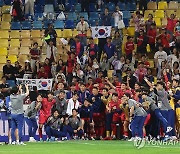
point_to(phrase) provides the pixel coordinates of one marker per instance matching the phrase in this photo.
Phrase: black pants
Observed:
(101, 43)
(69, 78)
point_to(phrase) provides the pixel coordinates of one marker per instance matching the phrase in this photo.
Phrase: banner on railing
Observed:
(41, 84)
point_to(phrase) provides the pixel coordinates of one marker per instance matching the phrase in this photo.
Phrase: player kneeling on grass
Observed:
(73, 125)
(30, 117)
(54, 126)
(85, 112)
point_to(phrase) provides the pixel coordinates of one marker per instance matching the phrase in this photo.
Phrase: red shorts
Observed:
(118, 117)
(43, 117)
(98, 116)
(86, 119)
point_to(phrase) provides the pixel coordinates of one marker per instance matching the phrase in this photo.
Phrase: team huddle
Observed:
(114, 112)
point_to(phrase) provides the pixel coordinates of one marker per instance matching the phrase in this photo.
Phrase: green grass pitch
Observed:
(87, 147)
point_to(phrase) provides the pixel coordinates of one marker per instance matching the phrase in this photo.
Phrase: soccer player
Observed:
(98, 109)
(176, 99)
(83, 93)
(61, 103)
(30, 117)
(125, 109)
(114, 108)
(137, 117)
(120, 90)
(106, 98)
(153, 107)
(17, 112)
(177, 107)
(73, 103)
(164, 105)
(53, 126)
(45, 111)
(85, 112)
(74, 125)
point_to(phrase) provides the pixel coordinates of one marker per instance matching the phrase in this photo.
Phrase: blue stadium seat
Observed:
(1, 2)
(111, 6)
(126, 22)
(46, 22)
(69, 24)
(73, 2)
(131, 6)
(15, 25)
(38, 16)
(92, 22)
(7, 2)
(84, 14)
(112, 22)
(26, 25)
(92, 7)
(37, 25)
(72, 16)
(38, 8)
(58, 24)
(122, 6)
(94, 15)
(77, 7)
(126, 14)
(72, 9)
(49, 8)
(40, 2)
(69, 7)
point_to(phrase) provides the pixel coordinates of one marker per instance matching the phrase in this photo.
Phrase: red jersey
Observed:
(43, 75)
(117, 83)
(121, 93)
(152, 36)
(129, 47)
(99, 80)
(165, 40)
(89, 87)
(47, 69)
(114, 104)
(140, 40)
(34, 52)
(70, 65)
(47, 106)
(171, 23)
(78, 48)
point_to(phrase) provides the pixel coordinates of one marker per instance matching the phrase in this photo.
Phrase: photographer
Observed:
(30, 117)
(17, 112)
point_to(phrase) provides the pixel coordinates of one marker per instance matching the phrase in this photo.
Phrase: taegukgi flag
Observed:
(101, 31)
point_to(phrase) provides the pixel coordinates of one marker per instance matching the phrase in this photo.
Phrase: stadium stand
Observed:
(17, 39)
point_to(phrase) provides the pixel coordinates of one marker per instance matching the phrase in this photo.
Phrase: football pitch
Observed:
(88, 147)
